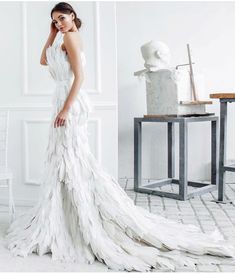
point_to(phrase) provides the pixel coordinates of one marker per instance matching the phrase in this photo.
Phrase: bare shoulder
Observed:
(73, 39)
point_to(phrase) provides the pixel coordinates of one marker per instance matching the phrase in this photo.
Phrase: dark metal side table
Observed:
(224, 98)
(183, 182)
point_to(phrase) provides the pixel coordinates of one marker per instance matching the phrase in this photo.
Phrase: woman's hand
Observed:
(61, 118)
(53, 29)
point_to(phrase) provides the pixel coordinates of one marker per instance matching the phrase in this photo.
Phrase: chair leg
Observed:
(11, 201)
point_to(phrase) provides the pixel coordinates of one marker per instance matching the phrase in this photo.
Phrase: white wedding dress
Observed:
(83, 214)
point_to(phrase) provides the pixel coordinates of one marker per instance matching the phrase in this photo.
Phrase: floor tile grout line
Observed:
(125, 188)
(225, 212)
(226, 196)
(197, 217)
(212, 215)
(178, 207)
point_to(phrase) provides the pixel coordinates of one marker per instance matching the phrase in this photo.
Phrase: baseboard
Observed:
(18, 202)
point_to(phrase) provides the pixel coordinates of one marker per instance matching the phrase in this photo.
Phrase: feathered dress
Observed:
(83, 214)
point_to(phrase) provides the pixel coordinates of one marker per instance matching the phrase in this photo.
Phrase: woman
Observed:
(83, 213)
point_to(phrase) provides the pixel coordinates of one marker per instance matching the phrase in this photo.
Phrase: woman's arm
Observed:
(49, 42)
(71, 43)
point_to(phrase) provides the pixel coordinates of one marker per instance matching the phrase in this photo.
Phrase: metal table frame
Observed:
(183, 159)
(222, 149)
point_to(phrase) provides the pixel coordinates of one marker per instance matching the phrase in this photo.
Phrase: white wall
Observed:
(26, 87)
(209, 29)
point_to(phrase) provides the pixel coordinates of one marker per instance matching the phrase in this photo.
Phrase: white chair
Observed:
(6, 175)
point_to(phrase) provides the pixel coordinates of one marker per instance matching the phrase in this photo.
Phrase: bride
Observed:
(83, 214)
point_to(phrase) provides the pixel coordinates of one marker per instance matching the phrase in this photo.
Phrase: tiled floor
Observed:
(199, 211)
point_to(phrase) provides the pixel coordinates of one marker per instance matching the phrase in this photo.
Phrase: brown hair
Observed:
(67, 9)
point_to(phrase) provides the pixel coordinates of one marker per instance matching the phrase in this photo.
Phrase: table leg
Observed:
(171, 149)
(137, 153)
(183, 161)
(222, 151)
(214, 177)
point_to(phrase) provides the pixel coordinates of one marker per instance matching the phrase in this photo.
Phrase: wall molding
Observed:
(18, 202)
(24, 48)
(26, 122)
(97, 106)
(98, 123)
(98, 51)
(25, 87)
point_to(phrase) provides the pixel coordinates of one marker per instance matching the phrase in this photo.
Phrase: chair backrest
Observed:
(4, 124)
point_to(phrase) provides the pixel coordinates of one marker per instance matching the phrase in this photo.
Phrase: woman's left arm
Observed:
(74, 54)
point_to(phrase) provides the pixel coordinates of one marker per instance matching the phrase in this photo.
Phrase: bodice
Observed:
(61, 71)
(58, 62)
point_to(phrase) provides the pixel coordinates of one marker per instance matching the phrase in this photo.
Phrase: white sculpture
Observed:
(156, 55)
(169, 90)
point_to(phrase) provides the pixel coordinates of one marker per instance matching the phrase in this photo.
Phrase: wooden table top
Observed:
(221, 95)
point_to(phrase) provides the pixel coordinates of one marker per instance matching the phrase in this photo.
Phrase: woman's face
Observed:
(62, 21)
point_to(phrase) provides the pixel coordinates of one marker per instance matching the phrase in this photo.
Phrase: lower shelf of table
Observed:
(151, 188)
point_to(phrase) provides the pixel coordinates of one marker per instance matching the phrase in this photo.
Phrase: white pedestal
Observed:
(165, 91)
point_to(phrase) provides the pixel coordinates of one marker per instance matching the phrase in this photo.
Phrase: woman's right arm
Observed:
(49, 42)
